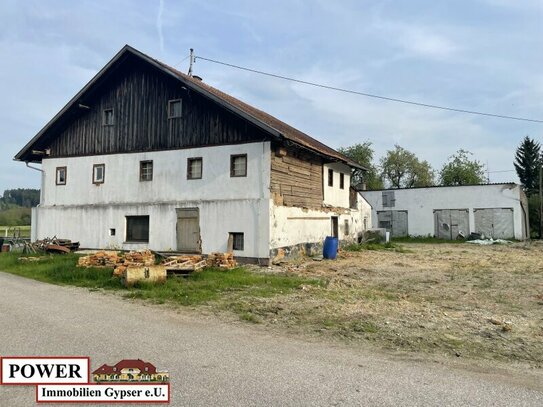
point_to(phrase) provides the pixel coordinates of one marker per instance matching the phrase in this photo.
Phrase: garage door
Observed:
(496, 223)
(393, 221)
(451, 223)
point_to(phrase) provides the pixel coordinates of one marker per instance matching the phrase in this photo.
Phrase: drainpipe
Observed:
(35, 221)
(42, 176)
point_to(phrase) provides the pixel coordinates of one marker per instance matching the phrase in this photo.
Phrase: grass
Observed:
(25, 231)
(357, 247)
(225, 286)
(209, 285)
(424, 239)
(58, 269)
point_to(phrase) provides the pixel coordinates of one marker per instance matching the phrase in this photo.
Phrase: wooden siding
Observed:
(296, 179)
(139, 95)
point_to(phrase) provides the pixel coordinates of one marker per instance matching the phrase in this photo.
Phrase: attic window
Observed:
(175, 109)
(108, 118)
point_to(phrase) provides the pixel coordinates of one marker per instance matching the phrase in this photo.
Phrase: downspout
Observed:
(41, 183)
(34, 231)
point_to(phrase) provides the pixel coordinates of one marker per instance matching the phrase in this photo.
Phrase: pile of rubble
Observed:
(222, 260)
(139, 258)
(100, 259)
(146, 258)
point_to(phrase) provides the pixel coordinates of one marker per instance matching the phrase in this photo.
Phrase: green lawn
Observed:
(198, 288)
(25, 231)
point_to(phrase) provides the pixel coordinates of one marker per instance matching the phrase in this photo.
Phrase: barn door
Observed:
(188, 230)
(451, 223)
(393, 221)
(494, 222)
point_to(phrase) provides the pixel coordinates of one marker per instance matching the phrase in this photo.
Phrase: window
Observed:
(108, 119)
(194, 168)
(238, 165)
(388, 199)
(112, 232)
(61, 176)
(346, 227)
(175, 109)
(341, 180)
(237, 241)
(98, 173)
(146, 170)
(330, 178)
(137, 228)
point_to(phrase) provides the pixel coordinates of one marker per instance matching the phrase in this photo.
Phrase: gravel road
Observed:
(212, 363)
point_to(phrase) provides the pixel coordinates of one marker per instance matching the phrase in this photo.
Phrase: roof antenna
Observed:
(191, 61)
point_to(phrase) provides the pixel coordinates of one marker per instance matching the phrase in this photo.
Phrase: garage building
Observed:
(499, 211)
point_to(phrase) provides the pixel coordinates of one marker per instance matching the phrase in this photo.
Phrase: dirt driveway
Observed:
(462, 300)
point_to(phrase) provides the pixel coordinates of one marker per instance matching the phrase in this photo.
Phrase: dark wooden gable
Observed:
(139, 93)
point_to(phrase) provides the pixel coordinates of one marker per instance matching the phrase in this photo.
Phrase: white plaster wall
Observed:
(420, 203)
(334, 196)
(290, 226)
(365, 211)
(122, 180)
(91, 224)
(84, 212)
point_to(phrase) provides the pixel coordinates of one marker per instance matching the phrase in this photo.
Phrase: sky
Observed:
(483, 55)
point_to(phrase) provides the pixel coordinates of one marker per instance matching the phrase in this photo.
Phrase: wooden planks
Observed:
(297, 178)
(139, 95)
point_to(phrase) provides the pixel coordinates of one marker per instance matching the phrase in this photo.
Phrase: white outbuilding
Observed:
(499, 211)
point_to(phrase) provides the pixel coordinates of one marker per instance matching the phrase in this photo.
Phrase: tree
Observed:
(402, 169)
(363, 155)
(460, 170)
(527, 163)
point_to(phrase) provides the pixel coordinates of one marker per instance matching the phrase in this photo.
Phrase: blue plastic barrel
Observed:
(329, 250)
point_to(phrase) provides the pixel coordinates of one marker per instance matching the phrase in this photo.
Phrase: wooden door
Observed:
(188, 230)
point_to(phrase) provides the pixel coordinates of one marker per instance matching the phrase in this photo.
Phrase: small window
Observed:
(388, 199)
(108, 118)
(238, 165)
(98, 173)
(330, 178)
(61, 176)
(341, 180)
(175, 109)
(237, 241)
(346, 228)
(137, 229)
(146, 170)
(112, 232)
(194, 168)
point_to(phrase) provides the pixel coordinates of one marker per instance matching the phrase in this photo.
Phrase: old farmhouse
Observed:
(145, 156)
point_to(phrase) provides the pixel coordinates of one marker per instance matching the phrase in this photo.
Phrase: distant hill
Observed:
(15, 206)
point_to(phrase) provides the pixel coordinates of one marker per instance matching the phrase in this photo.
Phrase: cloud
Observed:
(159, 25)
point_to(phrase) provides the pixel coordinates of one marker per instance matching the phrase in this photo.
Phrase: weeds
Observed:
(357, 247)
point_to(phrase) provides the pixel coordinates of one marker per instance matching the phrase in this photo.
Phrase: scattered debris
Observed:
(184, 264)
(489, 241)
(507, 326)
(221, 260)
(54, 245)
(100, 259)
(33, 258)
(495, 321)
